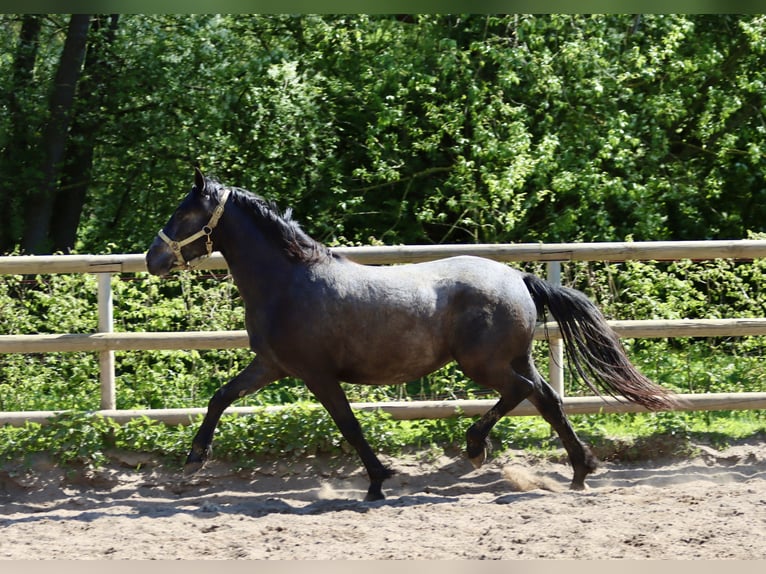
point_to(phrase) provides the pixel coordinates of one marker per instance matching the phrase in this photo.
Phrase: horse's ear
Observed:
(199, 180)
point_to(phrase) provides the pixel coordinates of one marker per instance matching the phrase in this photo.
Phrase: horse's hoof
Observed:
(373, 496)
(477, 450)
(191, 468)
(479, 459)
(196, 459)
(579, 486)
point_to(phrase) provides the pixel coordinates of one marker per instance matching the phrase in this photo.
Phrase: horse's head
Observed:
(187, 236)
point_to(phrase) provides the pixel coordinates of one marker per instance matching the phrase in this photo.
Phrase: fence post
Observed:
(556, 350)
(106, 325)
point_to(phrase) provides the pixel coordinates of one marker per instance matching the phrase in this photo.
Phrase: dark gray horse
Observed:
(319, 317)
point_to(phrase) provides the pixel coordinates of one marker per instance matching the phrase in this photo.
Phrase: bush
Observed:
(171, 379)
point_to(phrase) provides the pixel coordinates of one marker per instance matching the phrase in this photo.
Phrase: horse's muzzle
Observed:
(160, 259)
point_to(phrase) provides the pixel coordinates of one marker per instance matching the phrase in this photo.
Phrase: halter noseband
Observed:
(206, 231)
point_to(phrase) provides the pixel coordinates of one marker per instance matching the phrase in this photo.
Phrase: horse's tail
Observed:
(593, 348)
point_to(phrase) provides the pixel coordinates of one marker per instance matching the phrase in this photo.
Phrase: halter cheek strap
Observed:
(206, 231)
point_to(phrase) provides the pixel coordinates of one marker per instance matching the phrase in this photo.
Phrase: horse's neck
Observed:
(258, 266)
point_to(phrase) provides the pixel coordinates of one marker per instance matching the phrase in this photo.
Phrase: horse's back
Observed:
(468, 280)
(493, 307)
(397, 323)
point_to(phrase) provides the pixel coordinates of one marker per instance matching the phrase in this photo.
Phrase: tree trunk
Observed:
(39, 203)
(94, 89)
(17, 153)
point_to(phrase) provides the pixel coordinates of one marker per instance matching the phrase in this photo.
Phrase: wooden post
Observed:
(556, 351)
(106, 325)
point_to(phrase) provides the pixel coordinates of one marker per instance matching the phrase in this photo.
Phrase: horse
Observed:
(316, 315)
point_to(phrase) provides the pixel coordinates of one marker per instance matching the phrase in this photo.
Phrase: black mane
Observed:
(279, 226)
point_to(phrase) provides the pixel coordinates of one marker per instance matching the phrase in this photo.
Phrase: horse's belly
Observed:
(392, 373)
(402, 357)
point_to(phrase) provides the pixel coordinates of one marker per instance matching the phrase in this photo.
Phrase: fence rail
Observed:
(742, 249)
(173, 341)
(413, 410)
(106, 342)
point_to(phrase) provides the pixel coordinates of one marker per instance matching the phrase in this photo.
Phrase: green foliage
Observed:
(196, 301)
(87, 440)
(418, 129)
(394, 129)
(168, 379)
(76, 438)
(687, 289)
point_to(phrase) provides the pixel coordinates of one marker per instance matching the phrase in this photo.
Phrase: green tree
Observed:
(42, 193)
(94, 90)
(18, 131)
(400, 129)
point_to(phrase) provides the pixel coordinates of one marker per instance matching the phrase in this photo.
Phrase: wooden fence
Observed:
(106, 342)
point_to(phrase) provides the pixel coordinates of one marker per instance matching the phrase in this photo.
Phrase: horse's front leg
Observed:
(332, 397)
(255, 376)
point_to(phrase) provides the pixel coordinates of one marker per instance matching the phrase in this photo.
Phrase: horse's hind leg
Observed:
(513, 389)
(332, 397)
(253, 377)
(548, 403)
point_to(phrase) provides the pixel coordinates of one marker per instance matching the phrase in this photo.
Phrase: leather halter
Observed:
(206, 231)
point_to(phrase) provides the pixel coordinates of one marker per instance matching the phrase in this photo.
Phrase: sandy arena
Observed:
(438, 506)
